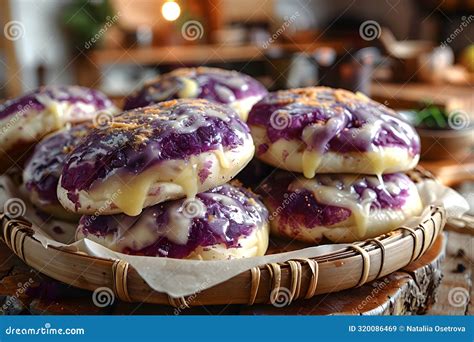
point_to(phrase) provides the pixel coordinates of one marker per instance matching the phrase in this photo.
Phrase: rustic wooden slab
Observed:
(410, 291)
(456, 290)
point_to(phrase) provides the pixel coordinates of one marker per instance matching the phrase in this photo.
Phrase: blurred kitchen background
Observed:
(416, 56)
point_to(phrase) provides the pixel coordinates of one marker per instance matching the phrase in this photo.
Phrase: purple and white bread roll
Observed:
(324, 130)
(43, 169)
(153, 154)
(232, 88)
(222, 223)
(340, 207)
(26, 119)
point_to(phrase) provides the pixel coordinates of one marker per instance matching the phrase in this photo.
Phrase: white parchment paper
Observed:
(185, 277)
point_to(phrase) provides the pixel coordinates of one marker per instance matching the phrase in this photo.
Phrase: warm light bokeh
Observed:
(170, 10)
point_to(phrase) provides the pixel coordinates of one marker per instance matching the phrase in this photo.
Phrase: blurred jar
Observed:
(356, 74)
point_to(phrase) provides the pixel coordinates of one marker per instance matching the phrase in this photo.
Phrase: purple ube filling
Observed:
(302, 107)
(143, 137)
(221, 223)
(73, 94)
(43, 169)
(301, 207)
(219, 85)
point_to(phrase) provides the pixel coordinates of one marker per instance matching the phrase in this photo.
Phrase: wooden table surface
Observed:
(438, 283)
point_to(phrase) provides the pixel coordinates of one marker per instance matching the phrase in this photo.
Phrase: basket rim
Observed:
(18, 232)
(25, 226)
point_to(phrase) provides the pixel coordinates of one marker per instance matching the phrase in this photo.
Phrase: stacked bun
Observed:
(43, 169)
(229, 87)
(28, 118)
(340, 156)
(154, 180)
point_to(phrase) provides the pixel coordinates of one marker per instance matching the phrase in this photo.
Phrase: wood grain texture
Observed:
(456, 290)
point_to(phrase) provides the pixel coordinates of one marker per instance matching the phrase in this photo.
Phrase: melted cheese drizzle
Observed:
(340, 192)
(224, 93)
(55, 108)
(189, 89)
(143, 232)
(188, 179)
(63, 111)
(320, 134)
(311, 161)
(223, 160)
(129, 193)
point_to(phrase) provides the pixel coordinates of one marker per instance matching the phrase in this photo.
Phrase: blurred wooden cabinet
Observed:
(13, 85)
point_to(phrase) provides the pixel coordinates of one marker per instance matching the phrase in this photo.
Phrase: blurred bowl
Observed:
(446, 144)
(404, 54)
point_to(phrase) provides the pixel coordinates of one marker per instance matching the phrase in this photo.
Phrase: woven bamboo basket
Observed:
(303, 278)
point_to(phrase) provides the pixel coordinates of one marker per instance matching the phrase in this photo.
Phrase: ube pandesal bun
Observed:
(43, 169)
(228, 87)
(26, 119)
(223, 223)
(324, 130)
(340, 207)
(153, 154)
